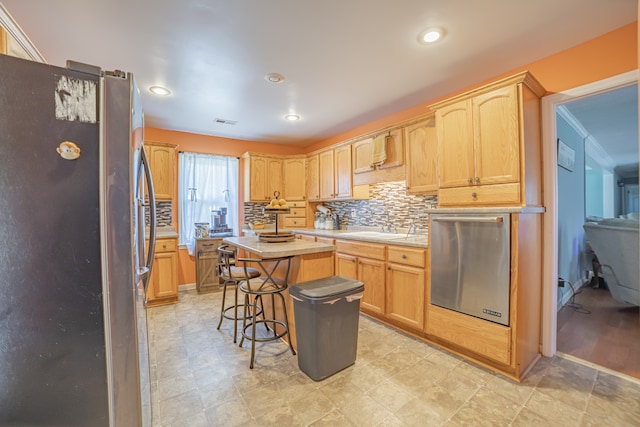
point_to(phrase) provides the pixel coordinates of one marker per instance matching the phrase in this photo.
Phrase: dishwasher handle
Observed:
(469, 219)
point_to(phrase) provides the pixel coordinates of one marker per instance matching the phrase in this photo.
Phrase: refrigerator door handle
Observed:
(144, 272)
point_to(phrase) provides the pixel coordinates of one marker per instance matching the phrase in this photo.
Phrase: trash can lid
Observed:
(327, 287)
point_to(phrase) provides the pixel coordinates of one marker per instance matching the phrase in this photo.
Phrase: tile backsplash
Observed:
(389, 204)
(163, 213)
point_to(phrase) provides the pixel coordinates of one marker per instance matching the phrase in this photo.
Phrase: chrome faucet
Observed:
(390, 228)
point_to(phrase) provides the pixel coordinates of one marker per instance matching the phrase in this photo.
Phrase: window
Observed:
(205, 182)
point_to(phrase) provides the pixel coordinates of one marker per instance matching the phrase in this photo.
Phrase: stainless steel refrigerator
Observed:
(73, 267)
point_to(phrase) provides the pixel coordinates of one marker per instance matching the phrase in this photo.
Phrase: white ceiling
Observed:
(346, 62)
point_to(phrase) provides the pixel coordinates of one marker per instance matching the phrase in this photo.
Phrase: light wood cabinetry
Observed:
(513, 349)
(163, 285)
(491, 137)
(313, 177)
(297, 218)
(362, 156)
(262, 177)
(364, 262)
(342, 157)
(406, 286)
(422, 155)
(162, 162)
(295, 169)
(326, 173)
(393, 169)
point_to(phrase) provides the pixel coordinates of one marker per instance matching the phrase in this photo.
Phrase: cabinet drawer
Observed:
(406, 255)
(479, 336)
(480, 195)
(295, 222)
(166, 245)
(366, 250)
(298, 213)
(296, 204)
(327, 240)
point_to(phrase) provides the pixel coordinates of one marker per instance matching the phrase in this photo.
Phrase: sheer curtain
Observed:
(205, 182)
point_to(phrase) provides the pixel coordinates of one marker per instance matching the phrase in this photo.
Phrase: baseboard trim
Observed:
(598, 367)
(186, 287)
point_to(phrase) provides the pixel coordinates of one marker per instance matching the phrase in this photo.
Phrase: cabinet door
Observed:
(258, 185)
(362, 156)
(343, 171)
(455, 144)
(313, 177)
(294, 179)
(496, 136)
(422, 153)
(371, 273)
(327, 178)
(346, 265)
(395, 150)
(405, 295)
(274, 177)
(161, 160)
(164, 278)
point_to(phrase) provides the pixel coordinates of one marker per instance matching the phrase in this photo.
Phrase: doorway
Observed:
(550, 105)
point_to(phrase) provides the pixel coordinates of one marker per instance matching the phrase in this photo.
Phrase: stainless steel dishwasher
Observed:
(470, 264)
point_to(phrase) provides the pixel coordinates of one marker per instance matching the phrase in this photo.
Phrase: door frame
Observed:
(550, 180)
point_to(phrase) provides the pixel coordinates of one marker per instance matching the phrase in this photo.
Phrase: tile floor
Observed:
(200, 378)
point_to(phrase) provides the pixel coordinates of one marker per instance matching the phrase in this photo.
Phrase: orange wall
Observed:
(605, 56)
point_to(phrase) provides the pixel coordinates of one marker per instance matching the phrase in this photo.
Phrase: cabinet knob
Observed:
(477, 180)
(304, 197)
(469, 180)
(404, 256)
(360, 262)
(474, 195)
(353, 260)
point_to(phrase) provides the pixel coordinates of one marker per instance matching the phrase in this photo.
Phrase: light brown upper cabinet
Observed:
(489, 144)
(362, 156)
(262, 177)
(422, 152)
(313, 177)
(161, 159)
(342, 158)
(326, 171)
(295, 178)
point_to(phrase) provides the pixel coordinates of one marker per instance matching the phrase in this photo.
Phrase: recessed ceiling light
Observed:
(274, 78)
(292, 117)
(159, 90)
(430, 35)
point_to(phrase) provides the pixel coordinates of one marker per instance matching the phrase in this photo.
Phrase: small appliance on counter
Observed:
(219, 223)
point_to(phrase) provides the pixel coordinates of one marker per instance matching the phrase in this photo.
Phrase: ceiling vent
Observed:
(225, 122)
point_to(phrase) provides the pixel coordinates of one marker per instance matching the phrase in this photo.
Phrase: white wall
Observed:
(572, 259)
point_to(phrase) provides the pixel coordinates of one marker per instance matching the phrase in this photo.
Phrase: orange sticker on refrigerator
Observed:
(76, 100)
(68, 150)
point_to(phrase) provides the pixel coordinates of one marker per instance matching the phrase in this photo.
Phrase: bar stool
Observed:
(256, 289)
(232, 276)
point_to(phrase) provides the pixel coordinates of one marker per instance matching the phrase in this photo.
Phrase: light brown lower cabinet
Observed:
(406, 286)
(163, 285)
(366, 263)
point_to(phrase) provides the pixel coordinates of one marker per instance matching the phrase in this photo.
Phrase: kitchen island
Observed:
(311, 260)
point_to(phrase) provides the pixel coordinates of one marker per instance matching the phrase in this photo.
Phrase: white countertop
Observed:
(364, 234)
(275, 250)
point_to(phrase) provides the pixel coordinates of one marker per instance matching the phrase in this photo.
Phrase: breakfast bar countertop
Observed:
(280, 249)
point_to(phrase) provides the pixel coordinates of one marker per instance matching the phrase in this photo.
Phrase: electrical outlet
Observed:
(561, 283)
(353, 213)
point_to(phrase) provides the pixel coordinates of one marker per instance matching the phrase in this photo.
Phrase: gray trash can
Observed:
(326, 312)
